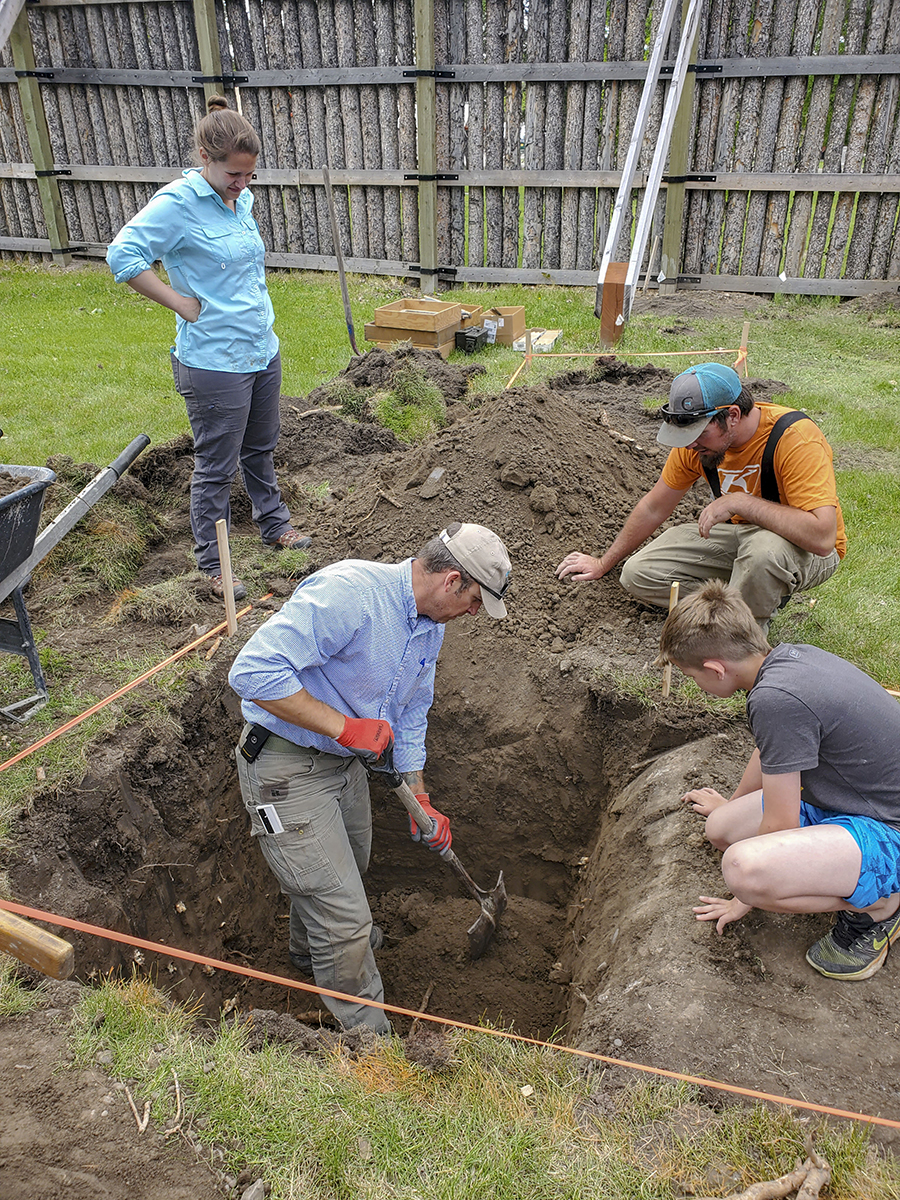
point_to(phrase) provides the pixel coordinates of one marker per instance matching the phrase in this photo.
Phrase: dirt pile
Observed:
(531, 750)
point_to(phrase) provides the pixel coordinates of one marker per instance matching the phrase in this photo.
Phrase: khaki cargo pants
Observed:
(319, 858)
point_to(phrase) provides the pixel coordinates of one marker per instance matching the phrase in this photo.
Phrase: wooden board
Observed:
(419, 337)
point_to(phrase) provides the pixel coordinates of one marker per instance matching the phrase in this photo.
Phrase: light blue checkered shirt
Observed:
(351, 636)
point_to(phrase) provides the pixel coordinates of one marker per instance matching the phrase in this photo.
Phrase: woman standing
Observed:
(225, 360)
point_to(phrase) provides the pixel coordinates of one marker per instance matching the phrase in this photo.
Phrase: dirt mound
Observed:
(531, 750)
(378, 369)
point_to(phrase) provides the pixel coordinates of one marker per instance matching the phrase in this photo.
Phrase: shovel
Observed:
(492, 903)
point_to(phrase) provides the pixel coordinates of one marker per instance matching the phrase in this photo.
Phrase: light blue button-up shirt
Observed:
(350, 635)
(213, 254)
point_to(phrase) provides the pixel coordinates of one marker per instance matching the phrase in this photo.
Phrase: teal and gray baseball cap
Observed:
(696, 395)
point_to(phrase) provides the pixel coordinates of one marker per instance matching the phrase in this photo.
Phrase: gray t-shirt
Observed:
(815, 713)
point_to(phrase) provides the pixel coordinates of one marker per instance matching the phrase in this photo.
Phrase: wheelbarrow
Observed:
(21, 549)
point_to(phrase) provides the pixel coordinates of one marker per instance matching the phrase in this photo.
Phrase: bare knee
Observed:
(743, 870)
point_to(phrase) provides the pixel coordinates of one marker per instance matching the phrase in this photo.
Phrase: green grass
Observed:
(414, 408)
(502, 1120)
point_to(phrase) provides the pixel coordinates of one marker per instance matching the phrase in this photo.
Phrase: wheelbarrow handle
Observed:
(129, 454)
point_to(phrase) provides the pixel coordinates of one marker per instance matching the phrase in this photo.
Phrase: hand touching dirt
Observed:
(723, 912)
(582, 567)
(703, 800)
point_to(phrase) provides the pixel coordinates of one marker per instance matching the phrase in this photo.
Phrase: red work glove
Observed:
(440, 838)
(366, 736)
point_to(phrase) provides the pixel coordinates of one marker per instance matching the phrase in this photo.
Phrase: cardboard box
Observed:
(430, 315)
(508, 324)
(429, 338)
(542, 340)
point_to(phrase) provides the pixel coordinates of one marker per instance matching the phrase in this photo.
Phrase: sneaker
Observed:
(303, 962)
(291, 540)
(856, 946)
(218, 586)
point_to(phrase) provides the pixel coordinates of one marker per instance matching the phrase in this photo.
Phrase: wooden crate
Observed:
(428, 338)
(430, 315)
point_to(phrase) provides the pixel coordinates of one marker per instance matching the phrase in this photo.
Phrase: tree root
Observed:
(807, 1180)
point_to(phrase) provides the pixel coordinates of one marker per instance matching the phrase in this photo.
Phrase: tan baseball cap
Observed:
(482, 555)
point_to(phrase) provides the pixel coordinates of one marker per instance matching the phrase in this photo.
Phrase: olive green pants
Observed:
(764, 567)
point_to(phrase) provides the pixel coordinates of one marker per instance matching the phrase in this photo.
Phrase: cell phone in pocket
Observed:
(268, 814)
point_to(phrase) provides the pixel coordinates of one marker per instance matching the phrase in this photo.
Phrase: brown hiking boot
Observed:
(291, 540)
(218, 586)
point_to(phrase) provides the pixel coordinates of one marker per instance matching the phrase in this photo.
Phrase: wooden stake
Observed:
(667, 671)
(36, 947)
(225, 566)
(612, 304)
(742, 353)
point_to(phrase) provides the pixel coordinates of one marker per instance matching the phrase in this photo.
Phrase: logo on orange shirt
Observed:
(742, 480)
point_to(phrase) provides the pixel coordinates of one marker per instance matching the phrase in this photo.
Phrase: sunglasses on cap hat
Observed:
(685, 419)
(447, 536)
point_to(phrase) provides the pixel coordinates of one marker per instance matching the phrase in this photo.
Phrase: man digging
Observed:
(814, 824)
(341, 674)
(772, 527)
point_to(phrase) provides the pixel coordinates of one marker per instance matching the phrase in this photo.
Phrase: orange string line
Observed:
(89, 712)
(219, 965)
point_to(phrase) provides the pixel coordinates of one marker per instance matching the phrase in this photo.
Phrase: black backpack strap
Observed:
(712, 478)
(768, 484)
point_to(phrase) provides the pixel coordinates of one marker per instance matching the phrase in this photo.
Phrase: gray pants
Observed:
(235, 418)
(764, 567)
(322, 802)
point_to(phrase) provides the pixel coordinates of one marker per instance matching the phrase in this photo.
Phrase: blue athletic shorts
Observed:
(879, 874)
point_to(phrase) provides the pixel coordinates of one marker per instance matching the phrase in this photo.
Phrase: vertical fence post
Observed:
(426, 144)
(39, 139)
(679, 158)
(208, 45)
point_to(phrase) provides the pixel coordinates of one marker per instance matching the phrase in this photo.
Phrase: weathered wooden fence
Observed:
(471, 140)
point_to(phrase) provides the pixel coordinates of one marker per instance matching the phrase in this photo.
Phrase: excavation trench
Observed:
(155, 843)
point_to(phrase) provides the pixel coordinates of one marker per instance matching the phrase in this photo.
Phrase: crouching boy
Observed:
(814, 824)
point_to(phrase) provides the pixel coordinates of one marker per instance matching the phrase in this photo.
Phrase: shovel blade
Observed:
(493, 904)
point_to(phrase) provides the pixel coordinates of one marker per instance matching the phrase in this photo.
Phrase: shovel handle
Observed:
(414, 808)
(384, 767)
(425, 823)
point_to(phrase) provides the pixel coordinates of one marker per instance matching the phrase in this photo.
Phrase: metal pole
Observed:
(623, 195)
(336, 238)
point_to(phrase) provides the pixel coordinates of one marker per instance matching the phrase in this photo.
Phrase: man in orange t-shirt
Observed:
(766, 549)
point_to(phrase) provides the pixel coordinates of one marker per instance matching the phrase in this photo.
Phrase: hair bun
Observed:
(216, 103)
